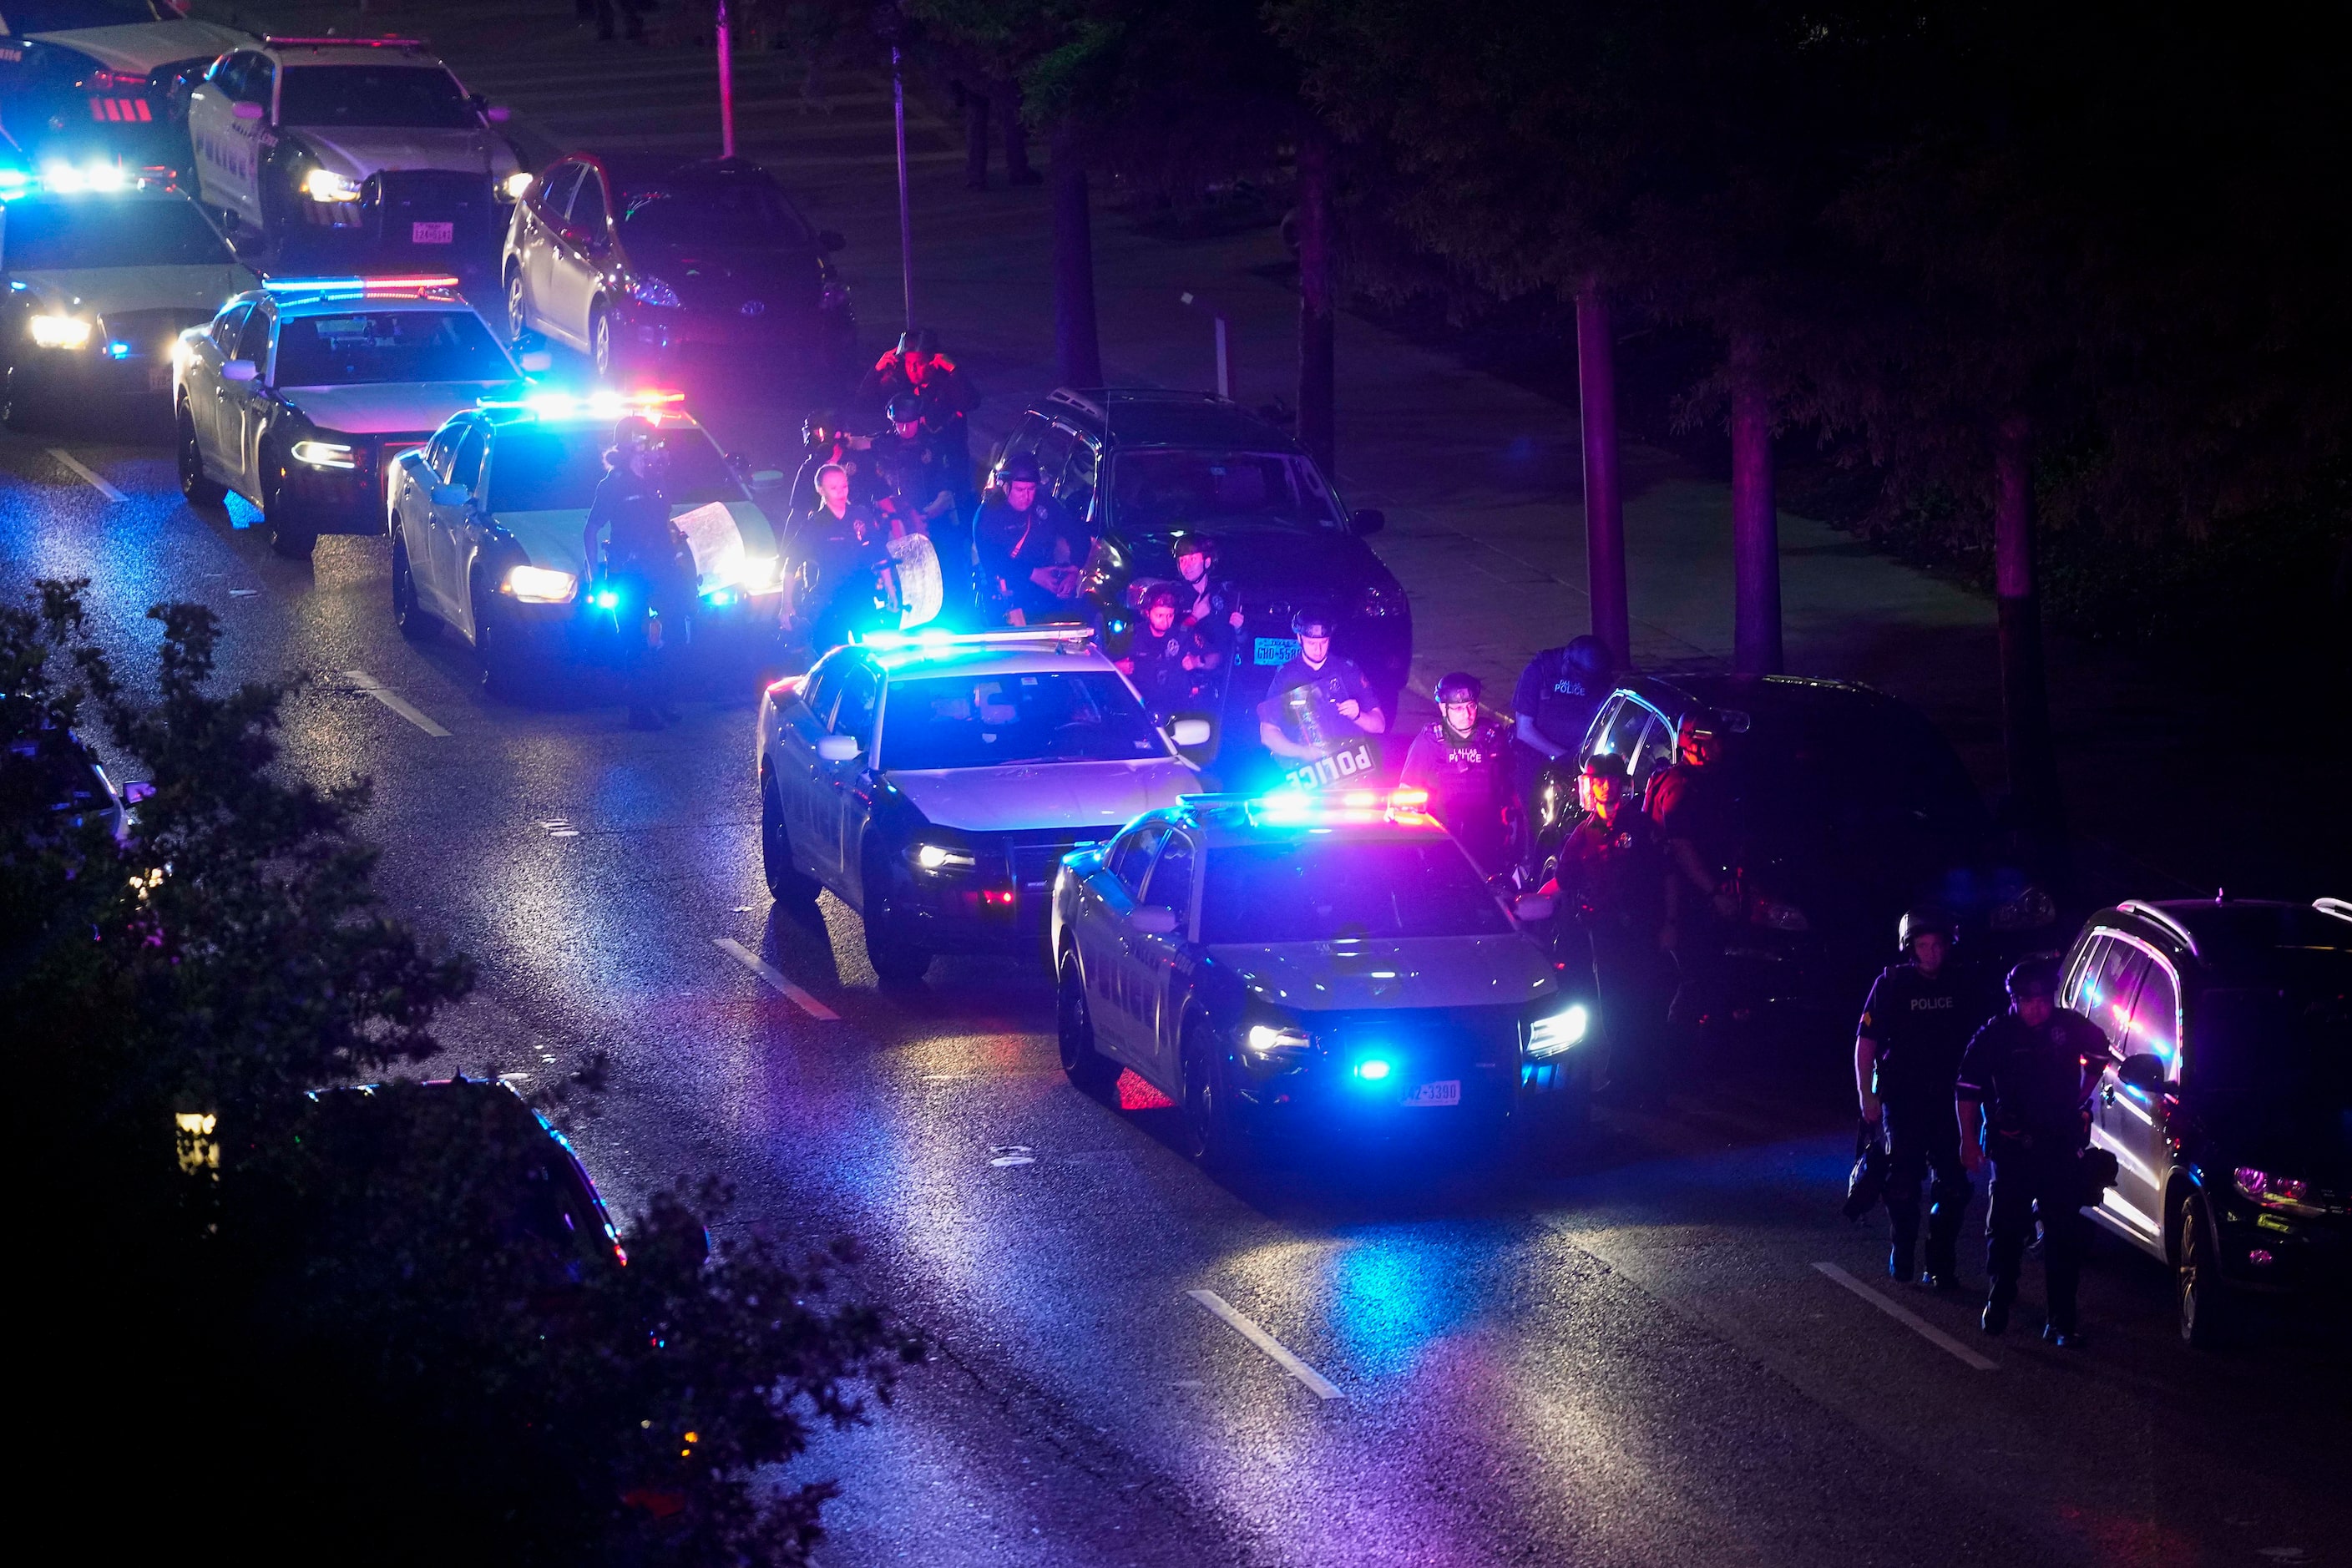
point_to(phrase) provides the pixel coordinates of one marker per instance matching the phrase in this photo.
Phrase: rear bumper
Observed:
(47, 375)
(2286, 1255)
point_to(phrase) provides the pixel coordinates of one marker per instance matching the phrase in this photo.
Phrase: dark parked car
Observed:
(2227, 1099)
(1139, 464)
(1841, 807)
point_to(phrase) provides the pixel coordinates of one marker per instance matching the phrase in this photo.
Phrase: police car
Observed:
(933, 780)
(354, 141)
(109, 91)
(102, 274)
(1299, 962)
(486, 523)
(299, 393)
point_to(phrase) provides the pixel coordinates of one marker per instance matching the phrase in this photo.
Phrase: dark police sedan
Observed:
(2226, 1095)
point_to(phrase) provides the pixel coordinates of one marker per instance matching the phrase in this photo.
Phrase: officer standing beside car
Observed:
(1458, 759)
(1207, 604)
(2020, 1098)
(1557, 694)
(643, 564)
(1611, 886)
(1906, 1058)
(1303, 731)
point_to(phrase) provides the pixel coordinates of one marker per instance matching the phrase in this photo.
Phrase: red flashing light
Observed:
(998, 895)
(652, 399)
(789, 686)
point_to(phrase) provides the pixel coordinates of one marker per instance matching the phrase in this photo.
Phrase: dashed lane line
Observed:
(1322, 1386)
(363, 682)
(775, 977)
(1908, 1319)
(101, 486)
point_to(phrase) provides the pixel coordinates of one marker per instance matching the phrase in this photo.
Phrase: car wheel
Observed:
(2198, 1284)
(16, 408)
(505, 673)
(517, 310)
(287, 537)
(601, 349)
(410, 617)
(1075, 1031)
(1213, 1135)
(897, 962)
(786, 883)
(194, 484)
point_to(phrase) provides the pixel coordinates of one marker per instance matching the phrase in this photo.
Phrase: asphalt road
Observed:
(1676, 1351)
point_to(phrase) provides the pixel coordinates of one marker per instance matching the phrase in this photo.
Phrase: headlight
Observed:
(60, 333)
(2029, 910)
(941, 857)
(761, 574)
(325, 455)
(1264, 1041)
(2274, 1191)
(1550, 1036)
(539, 586)
(653, 291)
(326, 186)
(1774, 915)
(516, 185)
(1380, 600)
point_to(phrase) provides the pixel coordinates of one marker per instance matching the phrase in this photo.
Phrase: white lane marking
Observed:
(775, 977)
(1323, 1387)
(101, 486)
(362, 680)
(1908, 1319)
(1012, 1154)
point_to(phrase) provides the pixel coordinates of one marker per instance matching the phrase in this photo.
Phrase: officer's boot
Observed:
(1902, 1216)
(1996, 1304)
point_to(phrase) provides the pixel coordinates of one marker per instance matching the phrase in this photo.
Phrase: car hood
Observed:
(136, 48)
(1028, 796)
(361, 150)
(1271, 558)
(552, 539)
(1420, 972)
(104, 288)
(724, 277)
(390, 407)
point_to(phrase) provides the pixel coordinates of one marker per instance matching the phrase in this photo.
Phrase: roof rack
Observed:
(1086, 405)
(2340, 907)
(273, 41)
(2158, 918)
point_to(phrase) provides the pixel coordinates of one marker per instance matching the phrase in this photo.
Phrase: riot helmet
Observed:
(1922, 919)
(2033, 977)
(1313, 621)
(905, 410)
(1458, 686)
(1021, 468)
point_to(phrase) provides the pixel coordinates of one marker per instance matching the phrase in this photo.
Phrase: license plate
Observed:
(159, 377)
(1444, 1091)
(1275, 650)
(432, 233)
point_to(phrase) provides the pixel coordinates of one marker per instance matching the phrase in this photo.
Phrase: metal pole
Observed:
(726, 87)
(1224, 364)
(905, 221)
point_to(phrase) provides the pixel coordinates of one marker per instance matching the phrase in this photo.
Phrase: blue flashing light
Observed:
(1374, 1069)
(118, 350)
(606, 599)
(718, 596)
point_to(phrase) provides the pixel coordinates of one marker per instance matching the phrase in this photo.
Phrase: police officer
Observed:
(1554, 702)
(1336, 684)
(643, 564)
(1685, 804)
(1459, 759)
(1208, 604)
(823, 441)
(1165, 658)
(836, 590)
(1906, 1056)
(2020, 1102)
(1611, 888)
(1029, 548)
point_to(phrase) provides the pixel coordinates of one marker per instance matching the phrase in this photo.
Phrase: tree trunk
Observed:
(1755, 528)
(1078, 348)
(1015, 134)
(1604, 510)
(1318, 423)
(2024, 685)
(975, 139)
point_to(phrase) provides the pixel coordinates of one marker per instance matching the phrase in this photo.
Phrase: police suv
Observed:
(1301, 963)
(103, 273)
(300, 393)
(487, 521)
(934, 781)
(354, 141)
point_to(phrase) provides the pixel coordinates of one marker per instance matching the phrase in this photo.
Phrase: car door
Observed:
(1153, 963)
(852, 799)
(1110, 897)
(804, 790)
(2103, 985)
(546, 208)
(232, 179)
(200, 380)
(452, 528)
(577, 261)
(245, 405)
(2146, 1123)
(209, 115)
(413, 496)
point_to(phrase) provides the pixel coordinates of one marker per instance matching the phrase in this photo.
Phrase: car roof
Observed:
(142, 47)
(350, 52)
(1154, 417)
(1755, 693)
(2219, 934)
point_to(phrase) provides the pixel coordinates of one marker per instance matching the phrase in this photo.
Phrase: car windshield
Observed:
(1303, 891)
(1155, 487)
(556, 467)
(409, 97)
(715, 212)
(91, 231)
(2285, 1033)
(1037, 716)
(361, 347)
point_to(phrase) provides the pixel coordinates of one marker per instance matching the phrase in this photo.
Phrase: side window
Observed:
(466, 469)
(1171, 877)
(260, 76)
(588, 206)
(1130, 856)
(226, 327)
(2156, 1019)
(861, 690)
(1603, 720)
(253, 340)
(2109, 992)
(1026, 434)
(229, 75)
(1622, 737)
(825, 688)
(561, 180)
(1054, 454)
(1077, 491)
(444, 447)
(1657, 749)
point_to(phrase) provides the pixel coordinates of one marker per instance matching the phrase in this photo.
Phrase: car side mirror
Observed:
(498, 114)
(132, 793)
(2143, 1072)
(1153, 920)
(766, 479)
(830, 240)
(1534, 907)
(248, 110)
(450, 495)
(240, 369)
(1187, 732)
(837, 748)
(1367, 521)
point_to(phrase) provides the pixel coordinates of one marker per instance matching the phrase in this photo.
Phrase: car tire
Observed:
(195, 484)
(787, 884)
(2198, 1289)
(518, 307)
(1213, 1135)
(1074, 1030)
(506, 674)
(897, 962)
(287, 537)
(604, 353)
(415, 622)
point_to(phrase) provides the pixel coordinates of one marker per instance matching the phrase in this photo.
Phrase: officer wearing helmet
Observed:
(1611, 887)
(1906, 1056)
(1336, 706)
(2024, 1082)
(826, 441)
(1209, 606)
(1031, 551)
(1459, 759)
(1553, 705)
(1165, 658)
(917, 489)
(646, 564)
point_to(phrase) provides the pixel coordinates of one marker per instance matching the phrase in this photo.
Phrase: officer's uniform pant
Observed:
(2027, 1182)
(1636, 982)
(1923, 1136)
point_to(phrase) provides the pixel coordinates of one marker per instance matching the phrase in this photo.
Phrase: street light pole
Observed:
(906, 220)
(726, 85)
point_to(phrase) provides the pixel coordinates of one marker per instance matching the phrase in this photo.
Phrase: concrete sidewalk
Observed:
(1481, 479)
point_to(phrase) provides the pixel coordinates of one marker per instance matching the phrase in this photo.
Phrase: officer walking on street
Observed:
(1906, 1058)
(2020, 1102)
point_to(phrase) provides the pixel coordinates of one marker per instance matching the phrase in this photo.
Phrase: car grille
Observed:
(402, 197)
(1431, 1039)
(1033, 862)
(150, 334)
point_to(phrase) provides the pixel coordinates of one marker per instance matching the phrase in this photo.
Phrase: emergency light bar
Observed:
(368, 287)
(1010, 636)
(1294, 807)
(589, 405)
